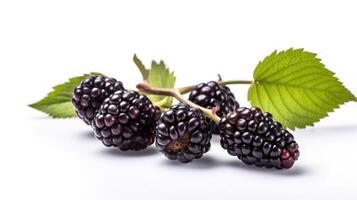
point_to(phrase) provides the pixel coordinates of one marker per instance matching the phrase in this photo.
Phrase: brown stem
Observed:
(188, 89)
(176, 93)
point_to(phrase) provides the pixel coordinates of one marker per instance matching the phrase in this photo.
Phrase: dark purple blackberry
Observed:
(183, 134)
(255, 138)
(89, 95)
(126, 120)
(212, 95)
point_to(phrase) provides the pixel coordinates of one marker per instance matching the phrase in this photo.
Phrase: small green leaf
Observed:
(144, 72)
(58, 103)
(160, 76)
(296, 88)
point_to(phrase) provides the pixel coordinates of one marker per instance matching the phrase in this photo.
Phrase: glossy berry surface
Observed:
(89, 95)
(183, 133)
(255, 138)
(212, 95)
(126, 120)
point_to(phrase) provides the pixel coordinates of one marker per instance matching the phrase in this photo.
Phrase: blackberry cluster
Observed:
(126, 120)
(129, 121)
(183, 134)
(89, 95)
(255, 138)
(212, 95)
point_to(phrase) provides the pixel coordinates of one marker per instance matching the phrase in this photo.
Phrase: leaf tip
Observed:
(136, 59)
(144, 72)
(353, 97)
(33, 105)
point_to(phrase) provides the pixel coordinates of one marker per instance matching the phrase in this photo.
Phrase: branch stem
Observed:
(229, 82)
(178, 94)
(145, 87)
(187, 89)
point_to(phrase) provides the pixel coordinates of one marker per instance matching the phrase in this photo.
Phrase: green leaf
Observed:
(144, 72)
(160, 76)
(296, 88)
(58, 103)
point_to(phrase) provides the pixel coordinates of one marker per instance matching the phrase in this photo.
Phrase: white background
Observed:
(42, 43)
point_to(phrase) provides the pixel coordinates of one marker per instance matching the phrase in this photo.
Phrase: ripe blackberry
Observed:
(126, 120)
(90, 94)
(183, 134)
(211, 94)
(255, 138)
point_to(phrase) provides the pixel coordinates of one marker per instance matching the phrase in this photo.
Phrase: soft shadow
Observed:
(118, 153)
(88, 135)
(294, 171)
(45, 117)
(349, 127)
(325, 130)
(206, 162)
(39, 117)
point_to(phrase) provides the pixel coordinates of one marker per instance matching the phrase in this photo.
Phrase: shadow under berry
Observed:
(115, 152)
(88, 135)
(206, 162)
(295, 171)
(209, 162)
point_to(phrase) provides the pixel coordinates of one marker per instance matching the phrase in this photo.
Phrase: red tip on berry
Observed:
(288, 163)
(285, 154)
(296, 154)
(288, 158)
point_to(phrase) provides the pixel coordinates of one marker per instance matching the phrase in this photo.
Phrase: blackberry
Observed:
(211, 94)
(126, 120)
(89, 95)
(255, 138)
(183, 134)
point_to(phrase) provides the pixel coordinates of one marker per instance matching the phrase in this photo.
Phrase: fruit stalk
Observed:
(176, 93)
(187, 89)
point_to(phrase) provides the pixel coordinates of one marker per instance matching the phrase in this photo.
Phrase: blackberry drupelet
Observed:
(89, 95)
(126, 120)
(183, 133)
(255, 138)
(211, 94)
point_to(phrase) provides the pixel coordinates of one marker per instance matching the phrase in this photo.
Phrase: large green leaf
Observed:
(296, 88)
(58, 103)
